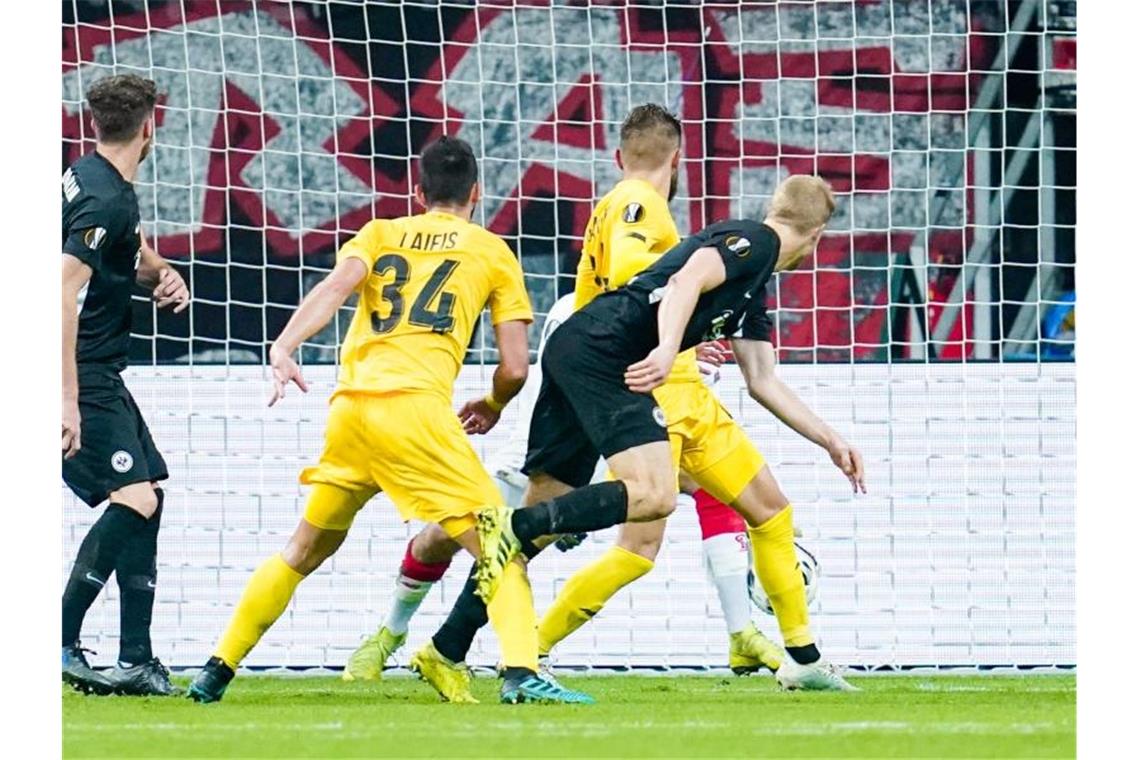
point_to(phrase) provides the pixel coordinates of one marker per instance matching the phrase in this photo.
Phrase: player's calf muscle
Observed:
(642, 539)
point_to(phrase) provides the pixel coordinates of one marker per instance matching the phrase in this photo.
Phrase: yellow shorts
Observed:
(707, 442)
(409, 445)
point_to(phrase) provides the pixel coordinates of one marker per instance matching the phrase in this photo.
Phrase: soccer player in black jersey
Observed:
(108, 454)
(599, 369)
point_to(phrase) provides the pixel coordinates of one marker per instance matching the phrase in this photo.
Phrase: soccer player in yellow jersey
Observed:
(630, 228)
(423, 281)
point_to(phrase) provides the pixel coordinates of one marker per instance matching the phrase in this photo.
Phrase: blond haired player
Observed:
(423, 281)
(599, 370)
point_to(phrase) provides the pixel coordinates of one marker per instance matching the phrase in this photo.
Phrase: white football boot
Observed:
(820, 675)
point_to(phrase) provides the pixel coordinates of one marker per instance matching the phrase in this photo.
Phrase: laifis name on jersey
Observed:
(439, 241)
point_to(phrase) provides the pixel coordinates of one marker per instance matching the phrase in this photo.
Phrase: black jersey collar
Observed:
(111, 167)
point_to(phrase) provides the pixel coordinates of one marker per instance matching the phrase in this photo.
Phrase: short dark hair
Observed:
(120, 104)
(649, 135)
(448, 171)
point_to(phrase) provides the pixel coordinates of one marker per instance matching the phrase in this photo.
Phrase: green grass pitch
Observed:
(684, 716)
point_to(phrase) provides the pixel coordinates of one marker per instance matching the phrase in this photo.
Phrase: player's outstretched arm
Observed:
(76, 275)
(480, 415)
(702, 272)
(315, 311)
(757, 360)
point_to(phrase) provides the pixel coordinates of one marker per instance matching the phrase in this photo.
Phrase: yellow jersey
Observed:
(629, 229)
(430, 276)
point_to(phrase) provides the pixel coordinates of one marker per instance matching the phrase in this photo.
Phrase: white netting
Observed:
(946, 129)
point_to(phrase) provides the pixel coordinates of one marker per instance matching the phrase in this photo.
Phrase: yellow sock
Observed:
(774, 556)
(266, 596)
(511, 613)
(587, 592)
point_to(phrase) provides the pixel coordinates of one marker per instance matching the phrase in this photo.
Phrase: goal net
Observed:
(934, 325)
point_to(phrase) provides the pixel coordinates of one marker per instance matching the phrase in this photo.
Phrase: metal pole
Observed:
(984, 236)
(983, 327)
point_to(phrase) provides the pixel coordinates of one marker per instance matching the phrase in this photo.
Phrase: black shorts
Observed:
(116, 447)
(584, 409)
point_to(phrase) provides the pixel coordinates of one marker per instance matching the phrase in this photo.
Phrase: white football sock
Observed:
(409, 595)
(726, 557)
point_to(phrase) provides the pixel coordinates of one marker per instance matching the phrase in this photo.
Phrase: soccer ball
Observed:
(810, 569)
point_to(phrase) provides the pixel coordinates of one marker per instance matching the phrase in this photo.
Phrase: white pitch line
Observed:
(219, 727)
(932, 686)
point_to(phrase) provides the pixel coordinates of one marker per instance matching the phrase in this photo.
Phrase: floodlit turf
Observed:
(914, 716)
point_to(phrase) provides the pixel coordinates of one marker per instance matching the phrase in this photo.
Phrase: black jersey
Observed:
(101, 229)
(737, 308)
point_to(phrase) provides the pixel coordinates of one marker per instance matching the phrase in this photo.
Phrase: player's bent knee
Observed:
(650, 499)
(432, 545)
(310, 546)
(140, 497)
(665, 502)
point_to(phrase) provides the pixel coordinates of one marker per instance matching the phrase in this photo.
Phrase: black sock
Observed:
(804, 655)
(515, 674)
(594, 507)
(94, 563)
(136, 573)
(467, 616)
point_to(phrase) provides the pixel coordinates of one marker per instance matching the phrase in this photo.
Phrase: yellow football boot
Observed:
(451, 680)
(367, 662)
(749, 649)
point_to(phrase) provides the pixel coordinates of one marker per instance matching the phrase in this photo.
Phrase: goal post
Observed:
(934, 325)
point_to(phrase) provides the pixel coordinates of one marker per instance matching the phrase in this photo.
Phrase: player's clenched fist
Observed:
(70, 430)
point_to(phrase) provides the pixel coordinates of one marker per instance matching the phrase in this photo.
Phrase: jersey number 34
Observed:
(437, 320)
